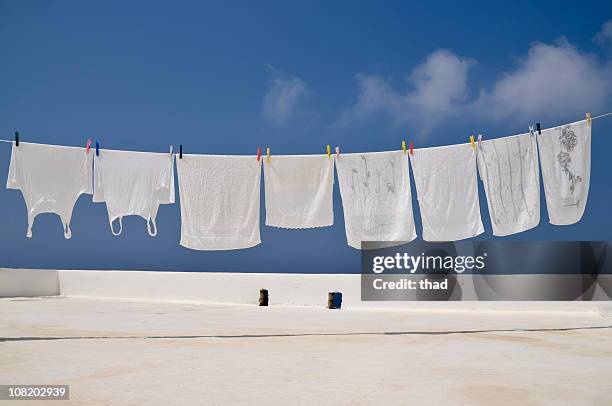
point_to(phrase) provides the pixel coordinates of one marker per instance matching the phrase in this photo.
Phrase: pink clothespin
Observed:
(337, 151)
(87, 146)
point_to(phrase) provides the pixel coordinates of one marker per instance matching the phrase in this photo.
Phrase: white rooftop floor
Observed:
(121, 352)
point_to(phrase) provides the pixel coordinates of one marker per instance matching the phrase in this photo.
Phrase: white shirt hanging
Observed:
(133, 183)
(510, 174)
(447, 191)
(51, 179)
(376, 198)
(219, 197)
(565, 156)
(299, 191)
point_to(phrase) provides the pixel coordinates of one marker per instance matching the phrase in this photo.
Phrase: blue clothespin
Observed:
(538, 128)
(97, 148)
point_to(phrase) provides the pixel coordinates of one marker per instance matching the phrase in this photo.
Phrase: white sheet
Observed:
(219, 197)
(565, 156)
(299, 191)
(447, 191)
(133, 183)
(376, 198)
(51, 179)
(510, 174)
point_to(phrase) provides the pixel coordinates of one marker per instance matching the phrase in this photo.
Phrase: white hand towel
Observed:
(133, 183)
(510, 174)
(447, 191)
(376, 198)
(565, 156)
(299, 191)
(51, 179)
(219, 198)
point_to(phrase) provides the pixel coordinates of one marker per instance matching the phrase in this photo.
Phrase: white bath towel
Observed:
(133, 183)
(376, 198)
(447, 191)
(510, 174)
(51, 179)
(299, 191)
(219, 198)
(565, 156)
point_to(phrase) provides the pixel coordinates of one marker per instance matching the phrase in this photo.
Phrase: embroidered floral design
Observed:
(568, 141)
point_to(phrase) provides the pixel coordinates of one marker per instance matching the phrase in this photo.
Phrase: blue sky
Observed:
(227, 77)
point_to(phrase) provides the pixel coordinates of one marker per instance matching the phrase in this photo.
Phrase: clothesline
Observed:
(592, 118)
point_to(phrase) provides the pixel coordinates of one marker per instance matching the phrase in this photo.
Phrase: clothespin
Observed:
(588, 116)
(404, 147)
(538, 128)
(16, 138)
(97, 148)
(337, 151)
(268, 154)
(87, 146)
(472, 142)
(171, 149)
(479, 139)
(180, 151)
(258, 154)
(411, 148)
(328, 151)
(531, 129)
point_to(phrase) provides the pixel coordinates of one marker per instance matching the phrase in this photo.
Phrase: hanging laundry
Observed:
(510, 173)
(133, 183)
(565, 156)
(299, 191)
(51, 179)
(219, 197)
(447, 192)
(376, 198)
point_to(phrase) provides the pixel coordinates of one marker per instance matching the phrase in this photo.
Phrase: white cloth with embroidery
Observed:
(565, 157)
(510, 174)
(219, 197)
(447, 191)
(133, 183)
(376, 198)
(299, 191)
(51, 179)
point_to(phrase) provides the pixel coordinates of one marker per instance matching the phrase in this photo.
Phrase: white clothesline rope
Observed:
(93, 146)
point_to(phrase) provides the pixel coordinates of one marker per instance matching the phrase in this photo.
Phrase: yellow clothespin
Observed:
(404, 147)
(328, 151)
(588, 115)
(268, 154)
(472, 142)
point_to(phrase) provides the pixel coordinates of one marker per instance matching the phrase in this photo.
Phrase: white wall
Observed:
(28, 282)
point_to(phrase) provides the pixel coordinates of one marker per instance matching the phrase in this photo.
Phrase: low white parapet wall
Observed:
(243, 288)
(29, 282)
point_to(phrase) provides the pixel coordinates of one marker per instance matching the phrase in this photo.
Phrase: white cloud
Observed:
(605, 35)
(435, 89)
(552, 82)
(285, 94)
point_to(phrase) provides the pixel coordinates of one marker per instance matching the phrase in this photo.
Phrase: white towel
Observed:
(447, 191)
(565, 156)
(299, 191)
(376, 198)
(510, 174)
(219, 201)
(133, 183)
(51, 179)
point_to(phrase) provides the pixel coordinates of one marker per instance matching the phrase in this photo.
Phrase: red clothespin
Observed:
(87, 146)
(411, 148)
(258, 154)
(337, 151)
